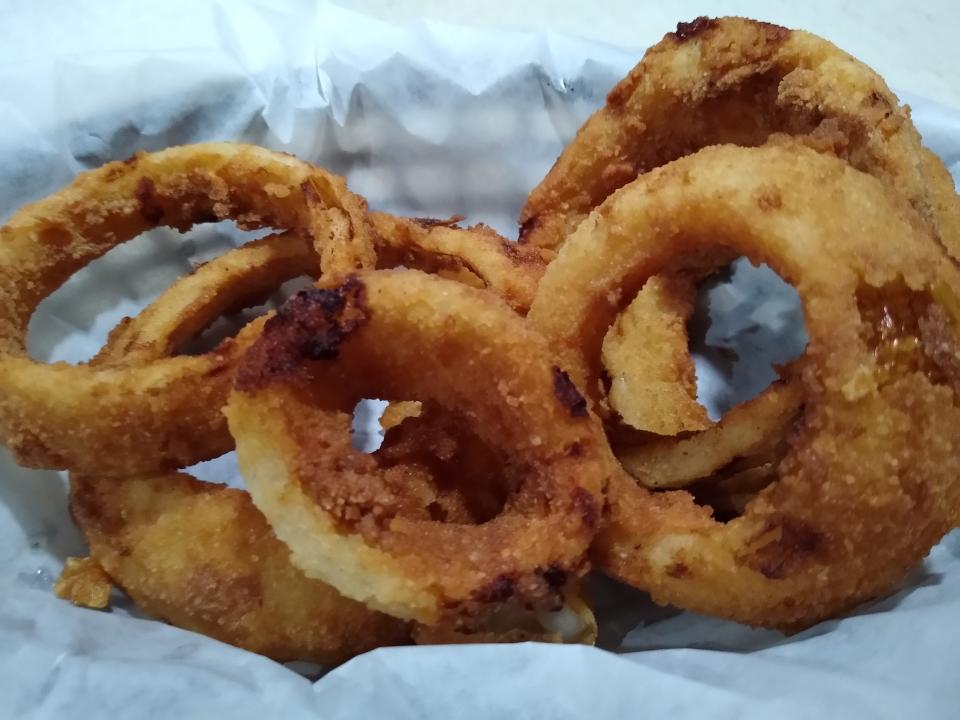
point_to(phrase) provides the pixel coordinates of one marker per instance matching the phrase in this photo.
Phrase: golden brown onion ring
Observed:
(354, 523)
(870, 481)
(738, 81)
(123, 420)
(458, 479)
(238, 279)
(476, 255)
(202, 557)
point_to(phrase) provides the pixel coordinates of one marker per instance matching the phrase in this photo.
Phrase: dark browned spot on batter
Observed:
(568, 394)
(115, 171)
(769, 199)
(939, 340)
(774, 33)
(55, 236)
(150, 207)
(687, 30)
(512, 250)
(877, 100)
(132, 161)
(310, 325)
(795, 543)
(528, 227)
(200, 216)
(428, 223)
(520, 255)
(678, 570)
(500, 589)
(554, 576)
(574, 449)
(586, 505)
(310, 193)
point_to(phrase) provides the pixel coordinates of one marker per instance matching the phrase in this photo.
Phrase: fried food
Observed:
(726, 80)
(945, 200)
(457, 478)
(84, 582)
(360, 526)
(738, 81)
(238, 279)
(154, 416)
(749, 429)
(479, 515)
(653, 384)
(200, 556)
(476, 256)
(873, 454)
(573, 623)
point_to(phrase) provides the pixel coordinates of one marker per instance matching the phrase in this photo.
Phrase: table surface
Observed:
(912, 44)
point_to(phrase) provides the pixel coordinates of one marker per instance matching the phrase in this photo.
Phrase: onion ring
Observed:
(869, 483)
(131, 419)
(476, 255)
(457, 477)
(738, 81)
(240, 278)
(202, 557)
(349, 521)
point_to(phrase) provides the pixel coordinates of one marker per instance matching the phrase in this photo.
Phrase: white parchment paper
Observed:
(429, 119)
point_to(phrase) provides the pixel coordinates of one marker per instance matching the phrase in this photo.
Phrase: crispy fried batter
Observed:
(158, 415)
(84, 582)
(476, 256)
(874, 455)
(749, 429)
(946, 201)
(397, 412)
(202, 557)
(241, 278)
(574, 623)
(653, 384)
(735, 81)
(352, 521)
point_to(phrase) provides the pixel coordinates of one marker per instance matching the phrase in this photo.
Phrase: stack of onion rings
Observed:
(727, 80)
(133, 524)
(478, 517)
(154, 416)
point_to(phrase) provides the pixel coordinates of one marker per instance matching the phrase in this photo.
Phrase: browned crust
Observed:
(311, 325)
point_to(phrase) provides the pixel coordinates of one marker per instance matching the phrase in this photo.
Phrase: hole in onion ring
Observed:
(746, 322)
(230, 323)
(120, 283)
(366, 433)
(459, 475)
